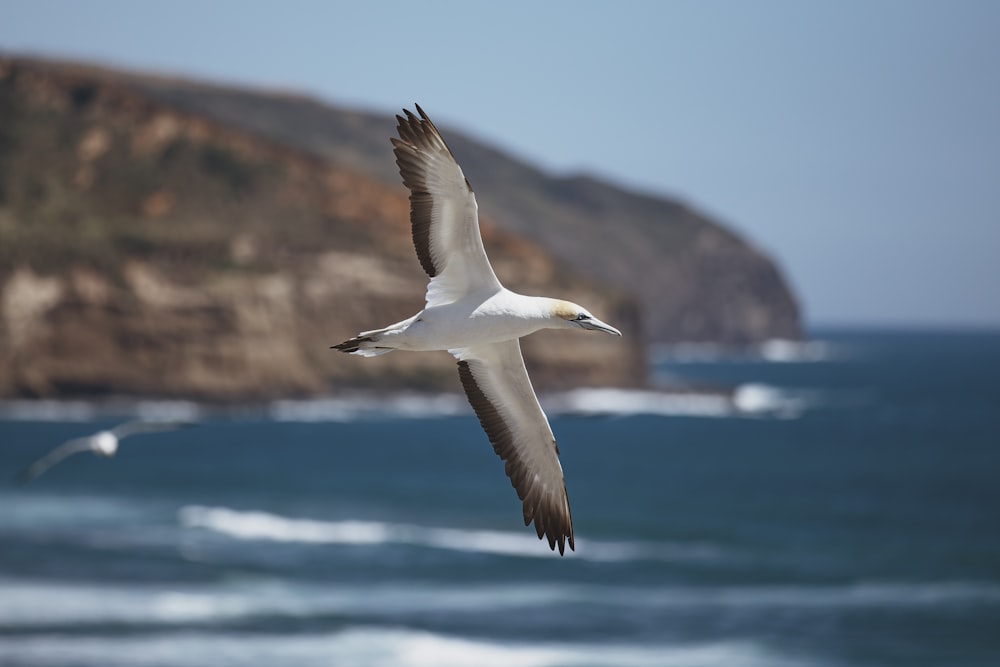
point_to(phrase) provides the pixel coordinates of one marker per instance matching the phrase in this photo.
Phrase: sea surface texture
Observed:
(840, 508)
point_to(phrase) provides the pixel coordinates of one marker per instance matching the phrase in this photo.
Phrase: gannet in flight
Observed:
(102, 443)
(472, 316)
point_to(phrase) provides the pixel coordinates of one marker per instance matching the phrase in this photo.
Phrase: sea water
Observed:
(821, 504)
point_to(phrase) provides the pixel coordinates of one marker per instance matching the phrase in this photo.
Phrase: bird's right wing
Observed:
(443, 213)
(55, 456)
(498, 387)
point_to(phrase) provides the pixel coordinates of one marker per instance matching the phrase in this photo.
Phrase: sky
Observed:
(855, 142)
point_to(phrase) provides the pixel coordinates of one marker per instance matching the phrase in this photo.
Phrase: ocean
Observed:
(834, 503)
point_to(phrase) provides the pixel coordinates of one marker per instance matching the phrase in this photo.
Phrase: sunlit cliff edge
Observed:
(162, 237)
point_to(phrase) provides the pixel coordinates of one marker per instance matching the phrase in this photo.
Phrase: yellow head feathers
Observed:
(565, 309)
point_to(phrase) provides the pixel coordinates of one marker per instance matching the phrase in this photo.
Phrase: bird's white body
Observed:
(479, 321)
(475, 319)
(105, 443)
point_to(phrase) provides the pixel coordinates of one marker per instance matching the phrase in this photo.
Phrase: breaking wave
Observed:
(41, 604)
(352, 408)
(264, 526)
(364, 646)
(747, 400)
(775, 350)
(50, 410)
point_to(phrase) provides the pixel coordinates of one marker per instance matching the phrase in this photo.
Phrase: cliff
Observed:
(695, 280)
(149, 250)
(159, 236)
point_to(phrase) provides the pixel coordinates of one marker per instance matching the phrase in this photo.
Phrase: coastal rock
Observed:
(153, 251)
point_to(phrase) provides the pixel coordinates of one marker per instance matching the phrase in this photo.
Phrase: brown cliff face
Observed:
(694, 279)
(149, 250)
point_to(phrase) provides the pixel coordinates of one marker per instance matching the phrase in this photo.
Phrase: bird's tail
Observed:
(364, 345)
(371, 343)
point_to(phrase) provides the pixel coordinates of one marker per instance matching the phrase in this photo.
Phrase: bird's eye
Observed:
(581, 317)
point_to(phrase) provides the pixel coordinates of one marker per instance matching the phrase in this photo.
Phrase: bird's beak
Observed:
(597, 325)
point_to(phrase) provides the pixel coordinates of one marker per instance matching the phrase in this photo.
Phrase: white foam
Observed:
(40, 603)
(423, 649)
(167, 410)
(352, 408)
(793, 351)
(34, 604)
(264, 526)
(747, 400)
(775, 350)
(587, 401)
(50, 410)
(371, 647)
(760, 399)
(627, 402)
(47, 410)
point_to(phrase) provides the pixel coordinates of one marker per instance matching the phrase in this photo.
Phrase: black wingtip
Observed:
(352, 345)
(562, 542)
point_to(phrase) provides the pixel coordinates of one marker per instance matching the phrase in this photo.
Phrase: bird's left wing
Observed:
(147, 426)
(444, 215)
(53, 457)
(498, 387)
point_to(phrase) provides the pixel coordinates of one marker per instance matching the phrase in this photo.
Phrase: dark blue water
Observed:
(853, 519)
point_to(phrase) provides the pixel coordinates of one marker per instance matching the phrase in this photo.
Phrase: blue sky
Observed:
(856, 142)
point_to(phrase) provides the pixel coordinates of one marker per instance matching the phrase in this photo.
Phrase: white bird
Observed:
(102, 443)
(475, 318)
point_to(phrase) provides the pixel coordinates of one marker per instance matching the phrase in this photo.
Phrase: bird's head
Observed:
(574, 316)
